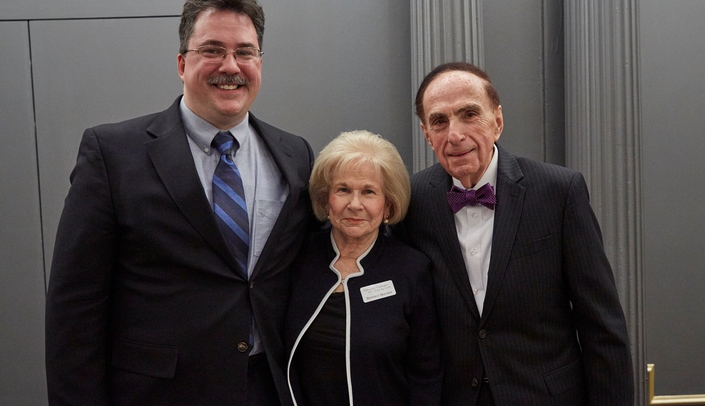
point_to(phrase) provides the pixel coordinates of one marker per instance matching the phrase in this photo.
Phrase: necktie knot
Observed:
(225, 143)
(459, 198)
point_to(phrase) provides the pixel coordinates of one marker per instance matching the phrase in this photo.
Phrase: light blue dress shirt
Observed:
(265, 187)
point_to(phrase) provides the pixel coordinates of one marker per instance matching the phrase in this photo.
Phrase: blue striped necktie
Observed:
(229, 199)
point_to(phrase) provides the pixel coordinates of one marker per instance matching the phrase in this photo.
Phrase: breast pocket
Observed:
(533, 247)
(266, 214)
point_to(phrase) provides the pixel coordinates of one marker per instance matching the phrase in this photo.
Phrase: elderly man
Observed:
(526, 299)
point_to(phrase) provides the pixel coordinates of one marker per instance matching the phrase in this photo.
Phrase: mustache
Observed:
(228, 80)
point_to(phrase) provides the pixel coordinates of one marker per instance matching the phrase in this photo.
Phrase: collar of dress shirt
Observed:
(202, 132)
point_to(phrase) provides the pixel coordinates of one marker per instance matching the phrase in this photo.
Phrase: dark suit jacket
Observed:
(145, 306)
(548, 279)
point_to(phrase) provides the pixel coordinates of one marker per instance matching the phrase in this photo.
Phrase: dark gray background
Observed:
(329, 67)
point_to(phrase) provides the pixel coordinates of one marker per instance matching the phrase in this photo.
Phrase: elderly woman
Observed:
(361, 327)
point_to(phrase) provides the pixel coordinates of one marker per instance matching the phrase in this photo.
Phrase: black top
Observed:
(320, 360)
(392, 353)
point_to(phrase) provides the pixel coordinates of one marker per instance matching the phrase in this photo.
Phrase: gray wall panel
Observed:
(42, 9)
(21, 268)
(673, 98)
(553, 56)
(335, 66)
(513, 37)
(88, 72)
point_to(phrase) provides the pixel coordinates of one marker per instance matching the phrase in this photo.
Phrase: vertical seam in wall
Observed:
(36, 152)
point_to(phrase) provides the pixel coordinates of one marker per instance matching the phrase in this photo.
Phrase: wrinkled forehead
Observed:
(461, 81)
(455, 87)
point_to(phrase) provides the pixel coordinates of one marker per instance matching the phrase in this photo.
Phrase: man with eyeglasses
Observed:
(159, 293)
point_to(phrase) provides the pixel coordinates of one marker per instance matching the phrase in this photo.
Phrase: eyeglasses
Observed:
(217, 54)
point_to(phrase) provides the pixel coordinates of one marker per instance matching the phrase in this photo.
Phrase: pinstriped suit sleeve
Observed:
(599, 318)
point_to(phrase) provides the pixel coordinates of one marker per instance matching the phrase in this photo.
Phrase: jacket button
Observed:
(242, 346)
(474, 383)
(483, 333)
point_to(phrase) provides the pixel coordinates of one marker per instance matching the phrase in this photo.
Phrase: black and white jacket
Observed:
(392, 339)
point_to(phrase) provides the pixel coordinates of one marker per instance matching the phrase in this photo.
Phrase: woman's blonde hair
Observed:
(349, 150)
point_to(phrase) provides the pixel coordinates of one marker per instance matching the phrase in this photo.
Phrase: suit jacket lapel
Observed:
(510, 202)
(169, 150)
(448, 236)
(283, 156)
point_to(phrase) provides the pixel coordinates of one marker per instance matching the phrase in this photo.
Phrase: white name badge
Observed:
(377, 291)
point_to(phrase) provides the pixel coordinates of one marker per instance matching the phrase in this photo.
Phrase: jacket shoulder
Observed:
(546, 173)
(159, 123)
(295, 141)
(427, 180)
(400, 256)
(400, 249)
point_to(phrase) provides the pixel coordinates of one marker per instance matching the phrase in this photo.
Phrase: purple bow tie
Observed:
(459, 198)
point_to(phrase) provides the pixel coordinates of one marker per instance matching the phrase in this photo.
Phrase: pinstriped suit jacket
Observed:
(552, 330)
